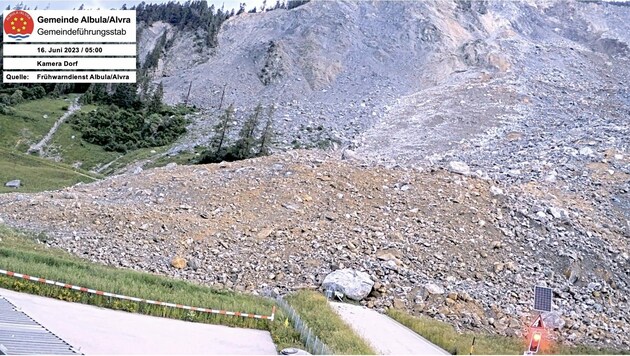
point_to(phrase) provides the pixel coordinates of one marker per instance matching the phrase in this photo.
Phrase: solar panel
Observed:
(21, 335)
(542, 298)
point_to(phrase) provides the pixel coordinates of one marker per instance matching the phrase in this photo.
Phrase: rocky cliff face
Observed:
(358, 69)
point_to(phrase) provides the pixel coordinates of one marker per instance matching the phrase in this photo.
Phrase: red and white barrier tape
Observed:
(140, 300)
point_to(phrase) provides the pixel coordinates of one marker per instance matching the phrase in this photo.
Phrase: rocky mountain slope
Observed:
(396, 67)
(485, 150)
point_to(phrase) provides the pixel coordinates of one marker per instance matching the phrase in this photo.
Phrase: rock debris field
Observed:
(453, 246)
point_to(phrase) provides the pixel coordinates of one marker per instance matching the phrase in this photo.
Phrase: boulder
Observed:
(349, 155)
(496, 190)
(353, 284)
(586, 151)
(13, 184)
(179, 263)
(390, 257)
(556, 213)
(432, 288)
(553, 320)
(399, 303)
(459, 168)
(293, 351)
(193, 264)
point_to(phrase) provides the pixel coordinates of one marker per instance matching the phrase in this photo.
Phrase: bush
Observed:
(5, 99)
(17, 97)
(38, 92)
(6, 110)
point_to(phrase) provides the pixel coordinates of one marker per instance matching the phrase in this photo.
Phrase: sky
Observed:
(107, 4)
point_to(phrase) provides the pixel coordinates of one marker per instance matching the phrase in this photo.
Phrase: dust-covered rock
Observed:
(353, 284)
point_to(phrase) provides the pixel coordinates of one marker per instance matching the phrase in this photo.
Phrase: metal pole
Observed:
(188, 95)
(222, 96)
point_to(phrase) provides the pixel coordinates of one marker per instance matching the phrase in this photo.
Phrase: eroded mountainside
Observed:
(430, 72)
(486, 150)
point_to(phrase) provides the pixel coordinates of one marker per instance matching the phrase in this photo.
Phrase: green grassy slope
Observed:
(31, 122)
(37, 174)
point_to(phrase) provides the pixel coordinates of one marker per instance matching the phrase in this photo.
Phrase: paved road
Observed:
(92, 330)
(386, 335)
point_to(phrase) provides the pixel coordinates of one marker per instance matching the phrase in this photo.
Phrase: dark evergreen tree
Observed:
(155, 105)
(125, 96)
(223, 128)
(243, 147)
(267, 135)
(241, 9)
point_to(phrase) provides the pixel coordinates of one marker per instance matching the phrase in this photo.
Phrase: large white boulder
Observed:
(353, 284)
(459, 168)
(13, 184)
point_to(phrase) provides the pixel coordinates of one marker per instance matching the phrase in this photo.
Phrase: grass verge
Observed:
(37, 174)
(446, 337)
(327, 325)
(20, 252)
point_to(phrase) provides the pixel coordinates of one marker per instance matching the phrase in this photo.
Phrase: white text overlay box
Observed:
(68, 63)
(69, 77)
(47, 50)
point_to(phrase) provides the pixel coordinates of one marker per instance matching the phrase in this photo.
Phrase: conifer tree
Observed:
(243, 147)
(223, 128)
(267, 134)
(155, 105)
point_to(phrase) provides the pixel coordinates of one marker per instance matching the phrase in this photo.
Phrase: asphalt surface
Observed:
(92, 330)
(387, 336)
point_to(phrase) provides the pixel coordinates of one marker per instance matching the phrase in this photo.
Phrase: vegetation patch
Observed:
(23, 253)
(123, 130)
(123, 122)
(315, 311)
(29, 121)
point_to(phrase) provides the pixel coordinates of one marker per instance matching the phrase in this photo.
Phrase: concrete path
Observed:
(92, 330)
(387, 336)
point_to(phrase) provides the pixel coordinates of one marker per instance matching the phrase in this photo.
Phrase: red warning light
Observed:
(534, 344)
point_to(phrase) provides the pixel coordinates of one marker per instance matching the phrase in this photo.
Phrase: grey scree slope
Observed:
(21, 335)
